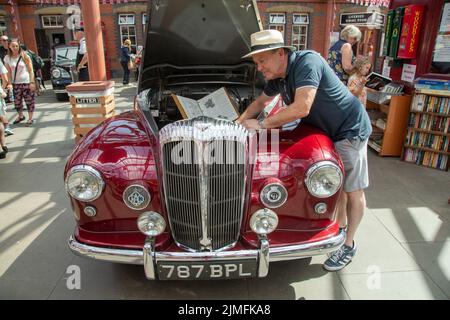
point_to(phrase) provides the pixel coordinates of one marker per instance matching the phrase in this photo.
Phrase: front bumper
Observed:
(264, 254)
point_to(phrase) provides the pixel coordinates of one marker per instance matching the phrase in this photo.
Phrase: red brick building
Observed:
(305, 24)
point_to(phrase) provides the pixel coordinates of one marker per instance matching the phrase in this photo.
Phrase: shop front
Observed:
(371, 22)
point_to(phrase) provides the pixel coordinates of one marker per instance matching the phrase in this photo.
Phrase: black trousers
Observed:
(126, 72)
(83, 75)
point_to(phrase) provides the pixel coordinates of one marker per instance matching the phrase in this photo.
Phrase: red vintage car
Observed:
(201, 219)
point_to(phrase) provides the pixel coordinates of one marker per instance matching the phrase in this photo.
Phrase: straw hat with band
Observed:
(266, 40)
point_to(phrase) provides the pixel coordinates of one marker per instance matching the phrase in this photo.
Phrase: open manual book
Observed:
(216, 105)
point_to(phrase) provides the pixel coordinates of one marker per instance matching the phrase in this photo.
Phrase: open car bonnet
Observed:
(185, 36)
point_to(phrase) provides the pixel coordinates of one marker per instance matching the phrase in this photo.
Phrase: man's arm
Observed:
(83, 61)
(304, 98)
(347, 55)
(254, 108)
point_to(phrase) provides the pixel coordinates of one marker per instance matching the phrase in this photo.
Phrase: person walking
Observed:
(21, 80)
(313, 93)
(340, 55)
(82, 57)
(125, 60)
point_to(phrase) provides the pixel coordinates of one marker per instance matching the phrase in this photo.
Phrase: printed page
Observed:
(189, 108)
(218, 105)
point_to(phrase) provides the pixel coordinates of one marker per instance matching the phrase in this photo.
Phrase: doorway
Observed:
(43, 51)
(58, 39)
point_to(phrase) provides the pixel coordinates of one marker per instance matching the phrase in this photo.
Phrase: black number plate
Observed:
(171, 270)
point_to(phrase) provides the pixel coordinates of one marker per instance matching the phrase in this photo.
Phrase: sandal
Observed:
(29, 123)
(20, 119)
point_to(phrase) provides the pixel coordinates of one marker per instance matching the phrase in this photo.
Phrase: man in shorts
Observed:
(313, 93)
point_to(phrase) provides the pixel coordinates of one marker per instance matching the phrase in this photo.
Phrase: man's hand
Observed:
(240, 120)
(251, 124)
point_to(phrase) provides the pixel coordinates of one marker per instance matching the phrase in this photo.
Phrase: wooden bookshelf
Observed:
(427, 140)
(395, 114)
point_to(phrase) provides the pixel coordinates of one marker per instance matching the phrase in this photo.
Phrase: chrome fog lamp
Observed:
(84, 183)
(151, 223)
(264, 221)
(273, 195)
(56, 73)
(323, 179)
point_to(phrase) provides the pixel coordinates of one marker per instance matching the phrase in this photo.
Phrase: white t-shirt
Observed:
(82, 49)
(23, 76)
(3, 69)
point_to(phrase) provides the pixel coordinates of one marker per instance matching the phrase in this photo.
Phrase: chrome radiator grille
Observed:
(204, 166)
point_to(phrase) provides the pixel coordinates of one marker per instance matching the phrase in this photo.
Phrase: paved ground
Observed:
(404, 245)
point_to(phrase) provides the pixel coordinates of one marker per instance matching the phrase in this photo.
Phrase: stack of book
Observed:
(431, 84)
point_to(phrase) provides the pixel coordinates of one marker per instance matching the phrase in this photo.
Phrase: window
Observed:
(300, 31)
(2, 25)
(128, 29)
(126, 19)
(277, 21)
(129, 32)
(144, 22)
(300, 18)
(55, 21)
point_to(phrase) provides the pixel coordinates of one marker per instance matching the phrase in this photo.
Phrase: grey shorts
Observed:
(353, 154)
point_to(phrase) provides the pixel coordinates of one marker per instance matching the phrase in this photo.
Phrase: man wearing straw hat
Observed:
(313, 93)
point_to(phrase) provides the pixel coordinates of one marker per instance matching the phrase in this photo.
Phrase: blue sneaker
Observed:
(340, 258)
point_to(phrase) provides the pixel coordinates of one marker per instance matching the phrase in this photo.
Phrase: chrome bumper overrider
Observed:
(265, 254)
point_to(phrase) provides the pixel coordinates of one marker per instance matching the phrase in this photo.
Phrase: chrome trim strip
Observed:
(205, 240)
(59, 91)
(263, 257)
(275, 254)
(148, 252)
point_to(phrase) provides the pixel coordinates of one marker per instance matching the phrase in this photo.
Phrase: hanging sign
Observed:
(409, 37)
(408, 72)
(396, 29)
(372, 19)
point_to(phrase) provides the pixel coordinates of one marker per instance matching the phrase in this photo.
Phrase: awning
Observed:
(63, 2)
(375, 3)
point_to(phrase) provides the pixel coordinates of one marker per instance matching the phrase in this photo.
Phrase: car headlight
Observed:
(56, 73)
(323, 179)
(84, 183)
(273, 195)
(264, 221)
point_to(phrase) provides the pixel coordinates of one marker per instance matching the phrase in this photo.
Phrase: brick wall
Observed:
(315, 38)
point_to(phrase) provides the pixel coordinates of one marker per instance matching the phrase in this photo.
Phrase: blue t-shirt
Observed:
(334, 110)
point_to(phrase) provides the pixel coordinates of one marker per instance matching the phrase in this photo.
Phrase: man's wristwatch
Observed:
(261, 122)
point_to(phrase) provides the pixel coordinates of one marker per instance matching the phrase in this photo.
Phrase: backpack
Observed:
(37, 61)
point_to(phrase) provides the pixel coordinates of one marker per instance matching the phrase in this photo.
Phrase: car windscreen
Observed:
(66, 55)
